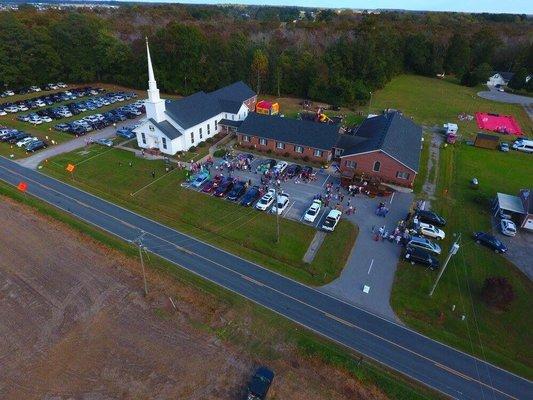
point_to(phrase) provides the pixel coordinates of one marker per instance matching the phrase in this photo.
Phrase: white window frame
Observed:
(403, 175)
(280, 145)
(143, 137)
(298, 149)
(350, 164)
(263, 141)
(192, 137)
(164, 141)
(245, 138)
(318, 153)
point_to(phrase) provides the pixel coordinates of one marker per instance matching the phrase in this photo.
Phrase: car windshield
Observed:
(329, 221)
(311, 211)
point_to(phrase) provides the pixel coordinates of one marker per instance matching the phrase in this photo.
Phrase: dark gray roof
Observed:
(238, 91)
(199, 107)
(505, 75)
(305, 133)
(229, 122)
(392, 133)
(167, 128)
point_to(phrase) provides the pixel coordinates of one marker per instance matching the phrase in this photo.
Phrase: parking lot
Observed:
(300, 194)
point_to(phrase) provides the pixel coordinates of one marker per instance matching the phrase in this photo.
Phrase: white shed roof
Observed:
(510, 203)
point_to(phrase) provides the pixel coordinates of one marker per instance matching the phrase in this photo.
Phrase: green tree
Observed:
(457, 55)
(259, 68)
(518, 81)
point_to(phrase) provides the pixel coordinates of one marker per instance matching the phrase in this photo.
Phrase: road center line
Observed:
(370, 268)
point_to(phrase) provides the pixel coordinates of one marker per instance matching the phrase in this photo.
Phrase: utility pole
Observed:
(138, 242)
(453, 251)
(370, 103)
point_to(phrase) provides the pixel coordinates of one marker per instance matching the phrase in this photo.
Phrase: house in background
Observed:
(526, 197)
(385, 147)
(500, 78)
(173, 126)
(308, 140)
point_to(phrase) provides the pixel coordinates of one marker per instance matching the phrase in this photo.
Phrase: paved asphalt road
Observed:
(504, 97)
(449, 371)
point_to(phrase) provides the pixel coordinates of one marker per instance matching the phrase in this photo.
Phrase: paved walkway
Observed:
(76, 143)
(372, 263)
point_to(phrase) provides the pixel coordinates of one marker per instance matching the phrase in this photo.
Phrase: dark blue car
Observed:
(251, 196)
(490, 241)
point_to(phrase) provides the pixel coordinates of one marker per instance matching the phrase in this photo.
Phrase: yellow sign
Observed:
(71, 168)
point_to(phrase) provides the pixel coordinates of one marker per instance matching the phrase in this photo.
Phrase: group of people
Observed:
(382, 210)
(399, 235)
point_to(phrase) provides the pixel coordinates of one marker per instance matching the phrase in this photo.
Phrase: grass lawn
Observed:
(243, 231)
(423, 170)
(503, 338)
(269, 331)
(433, 101)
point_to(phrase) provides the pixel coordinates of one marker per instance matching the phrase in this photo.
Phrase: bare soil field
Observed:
(74, 324)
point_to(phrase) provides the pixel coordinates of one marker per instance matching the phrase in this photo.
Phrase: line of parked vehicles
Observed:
(421, 250)
(33, 89)
(273, 201)
(21, 140)
(47, 100)
(75, 108)
(99, 121)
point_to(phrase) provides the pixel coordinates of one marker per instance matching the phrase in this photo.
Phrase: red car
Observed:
(210, 186)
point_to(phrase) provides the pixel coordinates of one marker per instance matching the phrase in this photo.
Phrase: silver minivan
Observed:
(523, 145)
(424, 244)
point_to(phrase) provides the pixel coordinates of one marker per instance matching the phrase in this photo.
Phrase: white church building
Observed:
(177, 125)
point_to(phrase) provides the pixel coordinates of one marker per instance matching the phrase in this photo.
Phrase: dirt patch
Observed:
(74, 325)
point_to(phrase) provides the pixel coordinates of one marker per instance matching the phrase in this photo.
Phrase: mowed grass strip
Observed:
(243, 231)
(503, 338)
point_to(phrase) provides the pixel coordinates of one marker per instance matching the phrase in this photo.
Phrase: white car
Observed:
(313, 211)
(331, 220)
(2, 112)
(40, 103)
(508, 227)
(61, 85)
(22, 107)
(25, 141)
(35, 88)
(12, 109)
(280, 167)
(35, 119)
(9, 93)
(431, 231)
(266, 201)
(46, 119)
(281, 204)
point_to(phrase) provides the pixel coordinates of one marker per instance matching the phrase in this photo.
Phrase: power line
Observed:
(453, 251)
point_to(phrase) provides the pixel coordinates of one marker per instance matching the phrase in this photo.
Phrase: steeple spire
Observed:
(153, 91)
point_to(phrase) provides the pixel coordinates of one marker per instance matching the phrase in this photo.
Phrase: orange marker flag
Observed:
(22, 186)
(71, 167)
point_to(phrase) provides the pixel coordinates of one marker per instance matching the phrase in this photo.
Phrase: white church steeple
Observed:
(155, 106)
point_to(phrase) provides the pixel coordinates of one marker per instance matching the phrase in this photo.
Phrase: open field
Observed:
(503, 338)
(45, 131)
(104, 337)
(432, 101)
(244, 231)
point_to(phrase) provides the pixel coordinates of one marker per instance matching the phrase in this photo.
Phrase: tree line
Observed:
(338, 58)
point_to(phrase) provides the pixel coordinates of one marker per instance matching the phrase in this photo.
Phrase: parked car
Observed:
(424, 244)
(260, 384)
(486, 239)
(25, 141)
(200, 179)
(105, 142)
(313, 211)
(212, 184)
(280, 167)
(224, 187)
(504, 146)
(281, 204)
(431, 231)
(418, 256)
(250, 196)
(524, 145)
(266, 201)
(331, 220)
(430, 217)
(2, 112)
(239, 188)
(265, 166)
(293, 170)
(507, 227)
(34, 146)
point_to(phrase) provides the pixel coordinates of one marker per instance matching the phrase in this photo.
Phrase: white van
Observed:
(523, 145)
